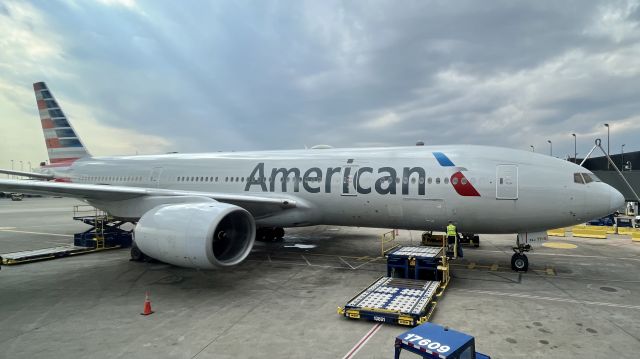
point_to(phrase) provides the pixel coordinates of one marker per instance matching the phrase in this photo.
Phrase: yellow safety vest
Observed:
(451, 230)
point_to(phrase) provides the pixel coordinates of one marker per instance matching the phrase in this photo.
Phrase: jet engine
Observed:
(196, 235)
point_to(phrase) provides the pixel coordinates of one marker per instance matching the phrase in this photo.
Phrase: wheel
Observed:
(278, 232)
(476, 241)
(519, 262)
(136, 254)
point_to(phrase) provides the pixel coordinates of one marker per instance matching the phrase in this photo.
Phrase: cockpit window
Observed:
(594, 177)
(583, 178)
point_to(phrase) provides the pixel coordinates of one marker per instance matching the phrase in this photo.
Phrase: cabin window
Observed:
(454, 181)
(429, 180)
(446, 180)
(437, 180)
(464, 181)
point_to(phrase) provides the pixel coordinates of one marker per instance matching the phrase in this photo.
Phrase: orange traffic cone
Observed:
(147, 305)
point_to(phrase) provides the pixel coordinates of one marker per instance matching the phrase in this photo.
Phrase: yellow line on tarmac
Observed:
(559, 245)
(550, 271)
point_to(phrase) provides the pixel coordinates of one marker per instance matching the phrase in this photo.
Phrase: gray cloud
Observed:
(264, 75)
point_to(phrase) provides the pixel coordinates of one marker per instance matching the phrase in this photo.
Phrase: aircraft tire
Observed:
(476, 241)
(519, 262)
(136, 254)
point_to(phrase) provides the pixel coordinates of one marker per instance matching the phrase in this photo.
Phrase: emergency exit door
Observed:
(154, 178)
(507, 182)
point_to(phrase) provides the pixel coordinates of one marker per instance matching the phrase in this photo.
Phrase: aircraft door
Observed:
(507, 182)
(156, 172)
(349, 179)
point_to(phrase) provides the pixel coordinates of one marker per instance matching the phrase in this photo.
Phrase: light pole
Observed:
(550, 148)
(575, 148)
(607, 126)
(533, 149)
(21, 166)
(11, 168)
(30, 168)
(622, 156)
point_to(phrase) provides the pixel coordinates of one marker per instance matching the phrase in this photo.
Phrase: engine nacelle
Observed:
(196, 235)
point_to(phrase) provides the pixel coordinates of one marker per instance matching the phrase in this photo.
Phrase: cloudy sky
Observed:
(158, 76)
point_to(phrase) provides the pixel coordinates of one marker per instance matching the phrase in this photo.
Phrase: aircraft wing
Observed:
(27, 174)
(120, 193)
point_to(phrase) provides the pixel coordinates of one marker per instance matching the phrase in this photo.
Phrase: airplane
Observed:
(205, 210)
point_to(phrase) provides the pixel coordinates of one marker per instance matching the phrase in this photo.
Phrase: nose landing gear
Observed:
(519, 261)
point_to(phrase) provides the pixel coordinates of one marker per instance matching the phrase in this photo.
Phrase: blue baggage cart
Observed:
(434, 341)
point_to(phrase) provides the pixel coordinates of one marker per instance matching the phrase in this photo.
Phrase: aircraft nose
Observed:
(616, 200)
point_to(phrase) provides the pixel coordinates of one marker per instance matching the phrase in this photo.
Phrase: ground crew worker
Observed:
(452, 240)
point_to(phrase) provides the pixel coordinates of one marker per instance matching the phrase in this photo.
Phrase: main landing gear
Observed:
(519, 261)
(269, 234)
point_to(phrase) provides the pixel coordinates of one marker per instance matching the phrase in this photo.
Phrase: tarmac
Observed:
(281, 303)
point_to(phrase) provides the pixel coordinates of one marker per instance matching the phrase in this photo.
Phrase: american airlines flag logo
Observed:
(459, 182)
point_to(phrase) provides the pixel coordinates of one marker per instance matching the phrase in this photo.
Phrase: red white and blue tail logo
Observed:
(459, 182)
(63, 145)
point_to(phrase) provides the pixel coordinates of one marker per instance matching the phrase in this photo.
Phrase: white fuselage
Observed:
(515, 191)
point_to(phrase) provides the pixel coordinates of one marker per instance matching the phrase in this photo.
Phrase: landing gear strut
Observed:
(519, 261)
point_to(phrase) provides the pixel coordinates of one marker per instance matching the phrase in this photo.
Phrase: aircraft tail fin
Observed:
(63, 144)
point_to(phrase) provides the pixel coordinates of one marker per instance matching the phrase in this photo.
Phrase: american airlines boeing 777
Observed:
(205, 210)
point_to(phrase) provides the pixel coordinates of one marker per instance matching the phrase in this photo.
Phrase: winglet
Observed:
(63, 144)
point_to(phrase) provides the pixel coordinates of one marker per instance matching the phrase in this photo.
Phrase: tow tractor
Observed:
(434, 341)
